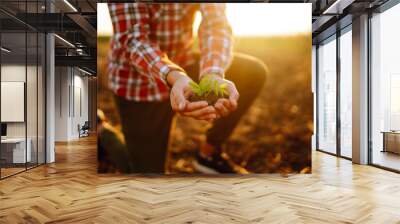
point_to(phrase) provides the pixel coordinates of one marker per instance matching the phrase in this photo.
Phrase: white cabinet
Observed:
(16, 150)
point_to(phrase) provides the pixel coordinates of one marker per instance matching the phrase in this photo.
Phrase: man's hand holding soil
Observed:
(224, 106)
(180, 93)
(201, 110)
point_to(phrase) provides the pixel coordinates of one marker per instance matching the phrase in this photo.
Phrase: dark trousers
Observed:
(146, 125)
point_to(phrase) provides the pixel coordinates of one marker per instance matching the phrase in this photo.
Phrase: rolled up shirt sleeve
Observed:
(131, 35)
(215, 39)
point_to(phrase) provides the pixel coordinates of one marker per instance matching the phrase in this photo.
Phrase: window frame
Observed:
(334, 37)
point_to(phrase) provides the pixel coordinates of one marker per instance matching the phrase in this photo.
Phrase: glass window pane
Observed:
(32, 87)
(346, 93)
(13, 85)
(23, 86)
(385, 89)
(327, 96)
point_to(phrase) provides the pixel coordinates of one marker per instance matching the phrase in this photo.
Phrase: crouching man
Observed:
(151, 64)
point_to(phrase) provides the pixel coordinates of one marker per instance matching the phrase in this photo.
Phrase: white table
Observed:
(17, 145)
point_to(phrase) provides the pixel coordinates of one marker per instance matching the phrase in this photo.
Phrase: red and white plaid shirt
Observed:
(151, 40)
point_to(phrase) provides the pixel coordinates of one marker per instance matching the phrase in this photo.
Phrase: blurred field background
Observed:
(275, 134)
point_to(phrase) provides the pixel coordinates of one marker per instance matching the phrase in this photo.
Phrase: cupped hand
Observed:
(179, 95)
(225, 106)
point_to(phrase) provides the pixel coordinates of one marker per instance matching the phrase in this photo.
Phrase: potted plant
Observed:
(208, 90)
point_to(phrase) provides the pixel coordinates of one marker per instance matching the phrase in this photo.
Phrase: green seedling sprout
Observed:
(208, 86)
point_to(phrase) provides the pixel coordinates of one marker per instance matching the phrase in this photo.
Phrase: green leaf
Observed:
(196, 88)
(208, 86)
(215, 87)
(225, 92)
(193, 85)
(197, 92)
(223, 86)
(204, 81)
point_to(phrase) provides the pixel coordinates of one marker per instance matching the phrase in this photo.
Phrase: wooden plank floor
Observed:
(70, 191)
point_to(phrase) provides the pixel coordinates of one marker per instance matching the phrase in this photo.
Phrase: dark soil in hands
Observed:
(210, 98)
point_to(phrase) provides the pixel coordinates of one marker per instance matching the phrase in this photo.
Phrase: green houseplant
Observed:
(208, 90)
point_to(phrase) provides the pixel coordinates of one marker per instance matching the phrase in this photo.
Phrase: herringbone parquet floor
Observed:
(70, 191)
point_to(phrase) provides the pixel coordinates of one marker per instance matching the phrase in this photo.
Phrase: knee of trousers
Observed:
(261, 71)
(258, 71)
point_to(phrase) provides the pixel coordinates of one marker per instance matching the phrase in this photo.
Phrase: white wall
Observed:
(80, 102)
(33, 127)
(71, 94)
(61, 103)
(12, 73)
